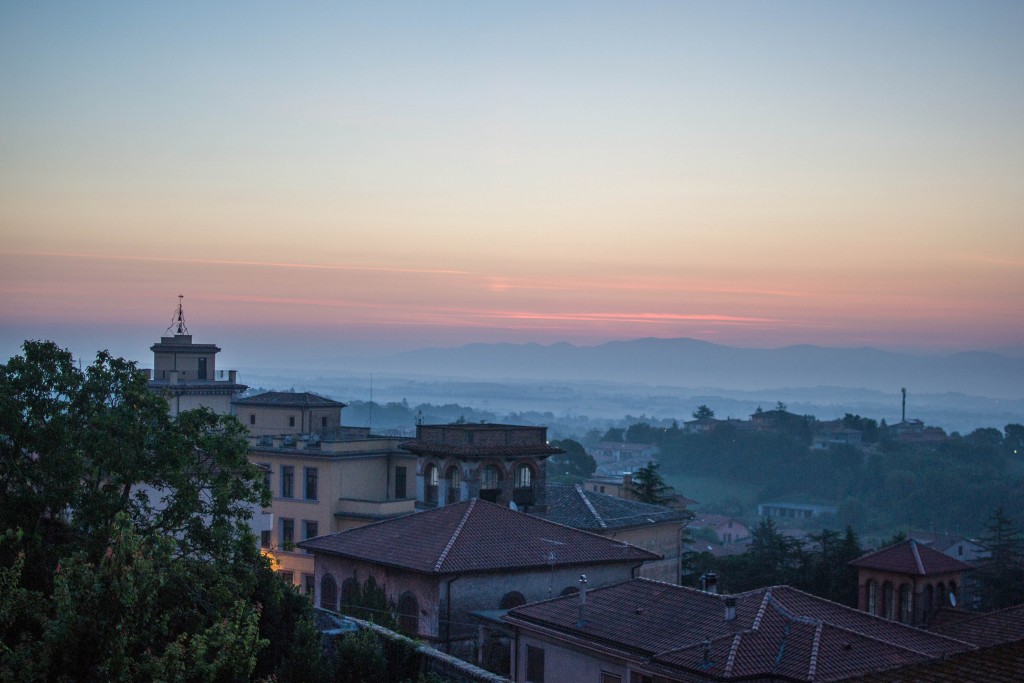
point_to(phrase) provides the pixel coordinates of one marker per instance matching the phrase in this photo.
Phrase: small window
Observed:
(287, 481)
(524, 475)
(309, 585)
(265, 540)
(252, 418)
(287, 577)
(610, 678)
(323, 421)
(291, 420)
(489, 477)
(311, 483)
(309, 529)
(400, 482)
(287, 533)
(265, 466)
(534, 664)
(960, 550)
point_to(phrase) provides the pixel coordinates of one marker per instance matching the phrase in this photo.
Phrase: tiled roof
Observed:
(778, 631)
(483, 450)
(910, 557)
(991, 628)
(474, 536)
(992, 664)
(572, 505)
(289, 399)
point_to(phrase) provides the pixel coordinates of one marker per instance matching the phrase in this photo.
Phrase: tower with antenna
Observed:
(903, 417)
(187, 372)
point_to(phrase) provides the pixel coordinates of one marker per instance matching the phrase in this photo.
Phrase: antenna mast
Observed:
(904, 418)
(178, 320)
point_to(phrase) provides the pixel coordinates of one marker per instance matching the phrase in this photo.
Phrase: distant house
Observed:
(908, 582)
(621, 486)
(441, 565)
(727, 529)
(914, 431)
(783, 510)
(834, 433)
(620, 451)
(652, 527)
(645, 631)
(963, 549)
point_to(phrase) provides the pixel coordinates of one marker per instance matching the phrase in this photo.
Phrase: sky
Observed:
(333, 179)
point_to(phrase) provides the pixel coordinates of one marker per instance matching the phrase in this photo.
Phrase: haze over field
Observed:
(330, 182)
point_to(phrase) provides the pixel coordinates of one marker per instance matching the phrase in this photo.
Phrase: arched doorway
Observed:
(328, 593)
(408, 614)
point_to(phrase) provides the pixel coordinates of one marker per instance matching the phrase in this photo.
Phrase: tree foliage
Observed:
(573, 465)
(1001, 577)
(127, 553)
(649, 487)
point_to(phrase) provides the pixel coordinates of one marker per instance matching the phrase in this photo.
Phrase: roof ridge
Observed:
(760, 610)
(899, 644)
(590, 506)
(917, 556)
(812, 668)
(730, 662)
(455, 536)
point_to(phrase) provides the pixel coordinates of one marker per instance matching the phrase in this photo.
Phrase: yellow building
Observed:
(325, 484)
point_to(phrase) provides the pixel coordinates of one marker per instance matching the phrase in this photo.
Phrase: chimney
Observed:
(709, 582)
(583, 600)
(730, 608)
(233, 376)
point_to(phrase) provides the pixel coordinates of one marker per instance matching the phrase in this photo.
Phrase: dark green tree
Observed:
(127, 553)
(703, 413)
(573, 465)
(1001, 578)
(649, 487)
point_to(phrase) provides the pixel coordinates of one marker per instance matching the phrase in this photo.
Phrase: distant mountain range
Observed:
(694, 364)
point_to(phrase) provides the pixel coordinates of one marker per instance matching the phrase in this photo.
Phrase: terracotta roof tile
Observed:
(474, 536)
(910, 557)
(572, 505)
(777, 631)
(289, 399)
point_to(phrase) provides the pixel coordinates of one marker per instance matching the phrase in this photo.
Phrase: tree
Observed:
(574, 464)
(703, 413)
(1001, 578)
(649, 487)
(127, 552)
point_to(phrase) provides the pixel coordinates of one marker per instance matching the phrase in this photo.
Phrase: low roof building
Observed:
(441, 565)
(643, 630)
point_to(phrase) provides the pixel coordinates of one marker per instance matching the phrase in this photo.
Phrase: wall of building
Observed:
(274, 420)
(564, 663)
(923, 607)
(664, 539)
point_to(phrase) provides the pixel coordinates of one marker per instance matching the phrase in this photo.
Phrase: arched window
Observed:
(453, 479)
(889, 601)
(940, 595)
(524, 476)
(906, 604)
(927, 601)
(953, 597)
(430, 483)
(872, 590)
(328, 593)
(489, 477)
(349, 591)
(408, 614)
(512, 599)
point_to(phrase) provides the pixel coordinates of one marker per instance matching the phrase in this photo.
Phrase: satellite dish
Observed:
(952, 598)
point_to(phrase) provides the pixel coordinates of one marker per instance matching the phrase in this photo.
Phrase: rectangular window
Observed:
(400, 482)
(323, 421)
(201, 373)
(309, 529)
(311, 476)
(287, 533)
(252, 418)
(265, 538)
(308, 585)
(287, 577)
(291, 421)
(534, 664)
(287, 481)
(265, 466)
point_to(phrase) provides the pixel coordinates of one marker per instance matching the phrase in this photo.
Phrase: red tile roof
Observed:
(474, 536)
(778, 631)
(910, 557)
(991, 628)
